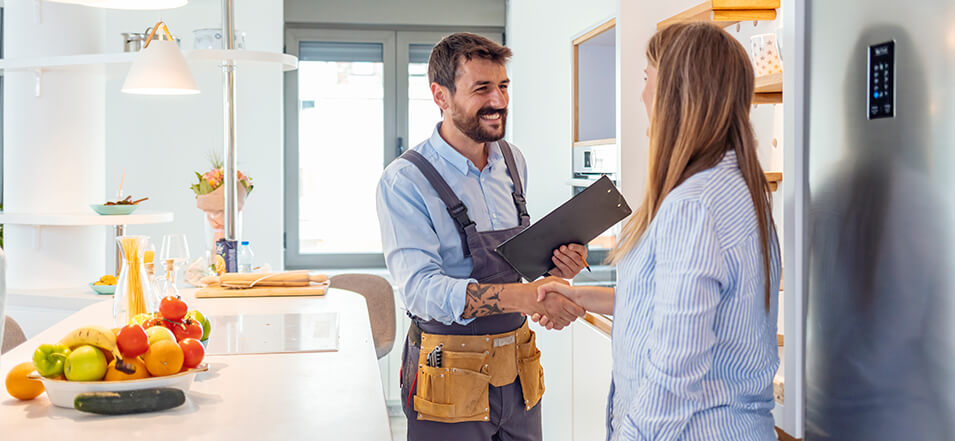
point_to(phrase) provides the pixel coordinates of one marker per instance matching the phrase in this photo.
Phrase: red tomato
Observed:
(188, 329)
(173, 308)
(132, 341)
(171, 325)
(192, 352)
(151, 322)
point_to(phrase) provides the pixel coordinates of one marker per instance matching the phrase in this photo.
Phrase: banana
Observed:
(101, 337)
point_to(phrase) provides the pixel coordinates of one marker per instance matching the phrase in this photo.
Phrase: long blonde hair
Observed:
(700, 112)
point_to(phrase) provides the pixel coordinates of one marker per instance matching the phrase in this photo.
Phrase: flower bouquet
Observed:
(210, 195)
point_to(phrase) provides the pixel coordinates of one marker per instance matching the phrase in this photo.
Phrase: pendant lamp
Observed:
(127, 4)
(160, 69)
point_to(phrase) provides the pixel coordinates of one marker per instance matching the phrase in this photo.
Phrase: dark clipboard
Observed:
(579, 220)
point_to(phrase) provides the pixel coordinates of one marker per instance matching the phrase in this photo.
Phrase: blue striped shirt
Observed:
(694, 348)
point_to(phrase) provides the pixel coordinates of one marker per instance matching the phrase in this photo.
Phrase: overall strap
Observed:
(456, 208)
(522, 217)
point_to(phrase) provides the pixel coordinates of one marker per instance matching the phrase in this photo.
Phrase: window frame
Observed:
(396, 42)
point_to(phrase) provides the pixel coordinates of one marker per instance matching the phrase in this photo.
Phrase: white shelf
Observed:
(84, 219)
(80, 62)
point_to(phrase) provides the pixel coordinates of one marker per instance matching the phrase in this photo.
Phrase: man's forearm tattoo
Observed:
(482, 300)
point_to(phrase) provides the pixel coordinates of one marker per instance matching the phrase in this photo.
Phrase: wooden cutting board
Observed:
(216, 291)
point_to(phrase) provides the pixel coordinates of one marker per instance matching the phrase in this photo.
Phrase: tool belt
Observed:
(457, 389)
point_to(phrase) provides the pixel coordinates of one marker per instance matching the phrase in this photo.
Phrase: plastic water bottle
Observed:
(245, 257)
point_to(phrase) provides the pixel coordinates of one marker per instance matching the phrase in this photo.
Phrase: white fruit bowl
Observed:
(62, 392)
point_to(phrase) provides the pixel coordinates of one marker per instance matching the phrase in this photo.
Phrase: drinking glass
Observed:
(175, 248)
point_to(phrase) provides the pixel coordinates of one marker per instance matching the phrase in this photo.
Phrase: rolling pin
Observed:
(250, 280)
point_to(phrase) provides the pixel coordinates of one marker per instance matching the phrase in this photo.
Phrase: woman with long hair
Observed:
(694, 332)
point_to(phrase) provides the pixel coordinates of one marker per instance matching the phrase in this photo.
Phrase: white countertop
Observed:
(323, 395)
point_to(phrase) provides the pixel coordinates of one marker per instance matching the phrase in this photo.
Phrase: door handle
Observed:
(400, 147)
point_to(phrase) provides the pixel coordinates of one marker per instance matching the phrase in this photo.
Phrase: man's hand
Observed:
(568, 260)
(547, 292)
(559, 310)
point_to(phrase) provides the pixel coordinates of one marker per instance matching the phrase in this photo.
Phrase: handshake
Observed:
(553, 303)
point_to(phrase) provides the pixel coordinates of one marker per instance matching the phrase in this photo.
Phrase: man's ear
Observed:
(442, 96)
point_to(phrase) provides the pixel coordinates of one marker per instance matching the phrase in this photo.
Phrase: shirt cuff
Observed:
(459, 299)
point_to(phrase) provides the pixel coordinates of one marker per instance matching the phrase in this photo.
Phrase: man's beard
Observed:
(471, 126)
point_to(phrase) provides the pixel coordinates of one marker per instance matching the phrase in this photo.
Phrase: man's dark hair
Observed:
(443, 64)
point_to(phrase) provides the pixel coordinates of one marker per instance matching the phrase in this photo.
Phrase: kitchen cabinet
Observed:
(592, 370)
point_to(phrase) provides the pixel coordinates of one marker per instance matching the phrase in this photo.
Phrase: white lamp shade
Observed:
(160, 69)
(127, 4)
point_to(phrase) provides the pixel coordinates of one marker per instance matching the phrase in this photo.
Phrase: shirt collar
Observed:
(455, 158)
(729, 159)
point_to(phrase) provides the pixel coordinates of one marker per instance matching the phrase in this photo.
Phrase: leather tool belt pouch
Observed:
(457, 390)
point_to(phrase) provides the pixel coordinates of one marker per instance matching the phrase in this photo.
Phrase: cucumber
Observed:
(130, 401)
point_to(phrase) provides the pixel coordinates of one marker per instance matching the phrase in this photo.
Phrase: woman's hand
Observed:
(568, 260)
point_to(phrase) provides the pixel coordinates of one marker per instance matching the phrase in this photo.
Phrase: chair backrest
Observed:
(12, 334)
(380, 297)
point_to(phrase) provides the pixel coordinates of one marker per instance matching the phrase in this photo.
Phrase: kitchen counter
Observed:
(316, 395)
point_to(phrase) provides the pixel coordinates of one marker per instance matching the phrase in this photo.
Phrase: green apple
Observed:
(206, 326)
(157, 333)
(85, 363)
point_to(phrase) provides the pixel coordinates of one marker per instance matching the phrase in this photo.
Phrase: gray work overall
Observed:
(507, 419)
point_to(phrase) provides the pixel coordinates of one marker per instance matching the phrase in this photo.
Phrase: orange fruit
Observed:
(219, 265)
(21, 387)
(164, 357)
(114, 375)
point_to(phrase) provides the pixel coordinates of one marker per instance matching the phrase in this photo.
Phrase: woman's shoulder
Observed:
(721, 192)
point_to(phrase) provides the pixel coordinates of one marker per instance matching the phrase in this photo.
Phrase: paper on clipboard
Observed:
(579, 220)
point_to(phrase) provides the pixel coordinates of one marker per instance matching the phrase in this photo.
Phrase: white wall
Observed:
(397, 12)
(159, 141)
(541, 125)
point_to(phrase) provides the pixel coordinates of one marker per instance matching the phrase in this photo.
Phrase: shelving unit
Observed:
(726, 12)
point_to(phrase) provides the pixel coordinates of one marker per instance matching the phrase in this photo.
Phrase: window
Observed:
(357, 101)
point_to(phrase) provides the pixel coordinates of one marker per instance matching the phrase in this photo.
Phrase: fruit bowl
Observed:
(103, 289)
(114, 209)
(62, 392)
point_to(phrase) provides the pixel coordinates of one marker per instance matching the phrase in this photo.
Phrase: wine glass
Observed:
(175, 248)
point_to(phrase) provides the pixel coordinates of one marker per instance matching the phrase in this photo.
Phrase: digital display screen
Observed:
(880, 99)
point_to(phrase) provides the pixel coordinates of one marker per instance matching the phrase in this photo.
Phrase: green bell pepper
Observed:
(49, 359)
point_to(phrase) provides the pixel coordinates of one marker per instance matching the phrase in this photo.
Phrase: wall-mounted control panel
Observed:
(881, 90)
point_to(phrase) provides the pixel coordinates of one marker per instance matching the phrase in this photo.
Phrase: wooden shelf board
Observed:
(745, 4)
(768, 98)
(735, 12)
(595, 142)
(774, 179)
(769, 83)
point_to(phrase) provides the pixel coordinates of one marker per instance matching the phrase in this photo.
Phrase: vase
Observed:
(213, 206)
(134, 294)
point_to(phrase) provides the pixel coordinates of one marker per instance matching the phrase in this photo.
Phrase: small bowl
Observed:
(62, 392)
(114, 209)
(103, 289)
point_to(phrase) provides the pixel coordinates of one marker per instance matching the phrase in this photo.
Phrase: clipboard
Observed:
(579, 220)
